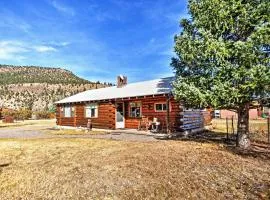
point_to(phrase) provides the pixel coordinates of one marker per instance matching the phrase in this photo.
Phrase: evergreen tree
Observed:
(223, 57)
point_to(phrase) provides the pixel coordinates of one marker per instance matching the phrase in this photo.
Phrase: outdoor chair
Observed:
(156, 125)
(144, 124)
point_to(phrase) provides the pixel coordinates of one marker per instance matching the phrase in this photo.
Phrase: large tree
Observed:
(222, 57)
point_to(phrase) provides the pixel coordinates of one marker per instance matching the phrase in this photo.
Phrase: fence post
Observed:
(227, 126)
(232, 126)
(268, 129)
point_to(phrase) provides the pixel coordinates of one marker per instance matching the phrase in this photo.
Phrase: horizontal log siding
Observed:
(106, 114)
(63, 121)
(105, 119)
(148, 110)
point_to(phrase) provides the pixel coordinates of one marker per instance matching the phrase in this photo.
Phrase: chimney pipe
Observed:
(121, 81)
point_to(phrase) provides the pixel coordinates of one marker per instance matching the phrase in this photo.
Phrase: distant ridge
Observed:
(37, 88)
(10, 74)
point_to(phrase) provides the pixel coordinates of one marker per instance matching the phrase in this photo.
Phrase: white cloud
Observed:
(17, 50)
(62, 8)
(63, 44)
(11, 50)
(44, 48)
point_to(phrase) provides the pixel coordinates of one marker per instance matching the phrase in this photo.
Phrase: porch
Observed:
(158, 111)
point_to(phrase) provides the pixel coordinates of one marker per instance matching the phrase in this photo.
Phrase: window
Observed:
(160, 107)
(91, 110)
(68, 111)
(135, 109)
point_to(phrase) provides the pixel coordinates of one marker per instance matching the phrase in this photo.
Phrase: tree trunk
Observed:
(242, 139)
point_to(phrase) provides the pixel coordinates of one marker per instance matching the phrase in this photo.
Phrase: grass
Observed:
(61, 168)
(50, 122)
(257, 128)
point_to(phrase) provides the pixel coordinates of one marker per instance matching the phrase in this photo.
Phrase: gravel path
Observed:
(29, 132)
(21, 133)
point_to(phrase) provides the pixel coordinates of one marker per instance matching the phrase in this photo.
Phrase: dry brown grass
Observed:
(257, 128)
(49, 122)
(255, 125)
(106, 169)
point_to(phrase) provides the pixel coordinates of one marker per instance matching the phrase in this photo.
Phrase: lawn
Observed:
(257, 128)
(45, 122)
(61, 168)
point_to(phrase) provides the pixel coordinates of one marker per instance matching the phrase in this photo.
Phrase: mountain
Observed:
(33, 74)
(37, 88)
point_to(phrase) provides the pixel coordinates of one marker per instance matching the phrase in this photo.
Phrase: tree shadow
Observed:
(256, 150)
(207, 137)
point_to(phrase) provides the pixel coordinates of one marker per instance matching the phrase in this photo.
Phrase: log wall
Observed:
(148, 110)
(106, 113)
(105, 119)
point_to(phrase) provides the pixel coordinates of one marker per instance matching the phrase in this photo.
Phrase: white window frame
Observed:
(90, 106)
(162, 103)
(68, 111)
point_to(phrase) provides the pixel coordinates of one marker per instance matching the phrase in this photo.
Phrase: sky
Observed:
(95, 39)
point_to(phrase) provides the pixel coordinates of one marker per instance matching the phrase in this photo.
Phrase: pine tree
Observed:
(223, 57)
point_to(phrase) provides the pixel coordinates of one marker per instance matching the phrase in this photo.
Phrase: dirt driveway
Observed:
(41, 131)
(21, 133)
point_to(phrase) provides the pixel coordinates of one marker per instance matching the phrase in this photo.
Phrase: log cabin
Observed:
(124, 106)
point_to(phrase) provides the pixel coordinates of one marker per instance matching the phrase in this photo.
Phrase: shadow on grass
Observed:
(208, 137)
(256, 150)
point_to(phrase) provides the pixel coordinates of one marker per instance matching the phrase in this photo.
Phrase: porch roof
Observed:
(145, 88)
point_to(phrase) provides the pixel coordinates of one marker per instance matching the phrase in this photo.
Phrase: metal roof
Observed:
(152, 87)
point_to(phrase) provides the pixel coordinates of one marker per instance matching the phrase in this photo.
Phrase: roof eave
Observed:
(110, 99)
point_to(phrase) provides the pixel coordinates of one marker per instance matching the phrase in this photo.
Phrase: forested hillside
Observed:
(33, 74)
(36, 88)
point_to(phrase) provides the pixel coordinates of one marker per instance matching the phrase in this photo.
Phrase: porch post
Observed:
(75, 115)
(60, 114)
(168, 114)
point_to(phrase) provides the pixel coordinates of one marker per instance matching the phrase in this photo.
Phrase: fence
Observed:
(259, 130)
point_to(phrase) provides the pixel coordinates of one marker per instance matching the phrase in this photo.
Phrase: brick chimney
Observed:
(121, 81)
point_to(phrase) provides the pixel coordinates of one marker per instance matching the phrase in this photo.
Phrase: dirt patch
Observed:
(75, 132)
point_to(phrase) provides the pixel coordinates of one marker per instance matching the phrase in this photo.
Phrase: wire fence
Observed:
(259, 130)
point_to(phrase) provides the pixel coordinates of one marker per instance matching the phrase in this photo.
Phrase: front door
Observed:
(120, 119)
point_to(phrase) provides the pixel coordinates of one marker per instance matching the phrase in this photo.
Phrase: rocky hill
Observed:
(36, 88)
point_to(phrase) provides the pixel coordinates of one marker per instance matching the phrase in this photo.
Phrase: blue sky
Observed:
(95, 39)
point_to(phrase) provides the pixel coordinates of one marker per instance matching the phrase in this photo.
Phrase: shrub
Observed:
(43, 114)
(21, 114)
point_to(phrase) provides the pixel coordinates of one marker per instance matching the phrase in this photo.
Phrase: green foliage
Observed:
(223, 53)
(8, 112)
(45, 114)
(32, 74)
(20, 114)
(23, 114)
(52, 109)
(37, 87)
